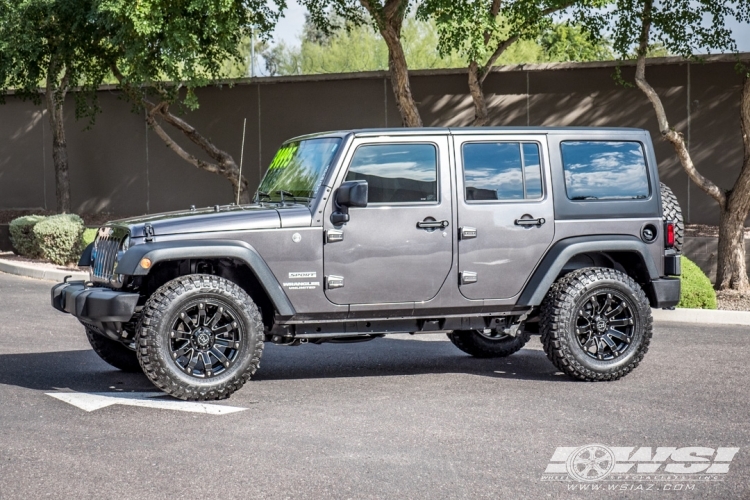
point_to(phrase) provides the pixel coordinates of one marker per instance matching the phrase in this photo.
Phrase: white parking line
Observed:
(97, 400)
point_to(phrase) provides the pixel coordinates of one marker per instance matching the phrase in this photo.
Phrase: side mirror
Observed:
(349, 194)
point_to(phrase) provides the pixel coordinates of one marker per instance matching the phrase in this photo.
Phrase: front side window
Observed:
(604, 170)
(502, 171)
(298, 169)
(396, 173)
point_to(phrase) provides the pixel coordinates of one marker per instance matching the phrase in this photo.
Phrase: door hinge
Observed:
(334, 235)
(467, 232)
(148, 232)
(334, 282)
(468, 277)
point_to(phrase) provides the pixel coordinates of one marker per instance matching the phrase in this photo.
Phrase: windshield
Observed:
(297, 170)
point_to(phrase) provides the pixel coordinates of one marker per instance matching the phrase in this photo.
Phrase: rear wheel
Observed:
(113, 352)
(201, 338)
(596, 324)
(481, 345)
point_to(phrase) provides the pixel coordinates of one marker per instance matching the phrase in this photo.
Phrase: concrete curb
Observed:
(31, 271)
(704, 316)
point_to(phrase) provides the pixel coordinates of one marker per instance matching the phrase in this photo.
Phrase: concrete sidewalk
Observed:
(703, 316)
(40, 273)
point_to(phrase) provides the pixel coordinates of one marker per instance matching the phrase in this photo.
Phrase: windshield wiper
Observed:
(262, 194)
(283, 193)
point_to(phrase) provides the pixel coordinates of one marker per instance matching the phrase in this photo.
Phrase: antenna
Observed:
(242, 154)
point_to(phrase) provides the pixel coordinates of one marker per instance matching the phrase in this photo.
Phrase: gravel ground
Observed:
(729, 300)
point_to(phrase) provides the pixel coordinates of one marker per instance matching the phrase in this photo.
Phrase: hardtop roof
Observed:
(401, 131)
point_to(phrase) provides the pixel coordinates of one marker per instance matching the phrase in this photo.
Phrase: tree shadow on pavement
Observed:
(83, 371)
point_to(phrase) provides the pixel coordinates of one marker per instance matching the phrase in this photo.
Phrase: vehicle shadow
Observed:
(390, 357)
(83, 371)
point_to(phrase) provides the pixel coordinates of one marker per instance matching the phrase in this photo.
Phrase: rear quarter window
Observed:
(605, 170)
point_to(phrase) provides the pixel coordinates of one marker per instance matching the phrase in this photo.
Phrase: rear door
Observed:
(505, 212)
(393, 250)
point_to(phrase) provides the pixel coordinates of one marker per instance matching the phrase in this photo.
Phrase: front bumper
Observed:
(101, 309)
(664, 292)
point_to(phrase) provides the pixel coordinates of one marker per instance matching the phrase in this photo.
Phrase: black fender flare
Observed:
(561, 252)
(130, 263)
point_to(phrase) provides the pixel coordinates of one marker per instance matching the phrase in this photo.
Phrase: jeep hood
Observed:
(218, 219)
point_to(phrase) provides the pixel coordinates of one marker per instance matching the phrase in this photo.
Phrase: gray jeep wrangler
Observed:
(487, 235)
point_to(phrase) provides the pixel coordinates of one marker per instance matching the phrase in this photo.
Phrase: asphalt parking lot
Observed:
(391, 418)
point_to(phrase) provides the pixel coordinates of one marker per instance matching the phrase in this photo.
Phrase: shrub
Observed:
(89, 235)
(697, 291)
(59, 238)
(22, 235)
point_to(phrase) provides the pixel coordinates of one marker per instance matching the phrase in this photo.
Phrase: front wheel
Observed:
(201, 338)
(113, 352)
(596, 324)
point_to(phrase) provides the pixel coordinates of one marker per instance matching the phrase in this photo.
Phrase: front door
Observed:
(505, 212)
(400, 247)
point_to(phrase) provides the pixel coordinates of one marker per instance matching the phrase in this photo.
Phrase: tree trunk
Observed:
(55, 97)
(389, 21)
(225, 164)
(400, 81)
(481, 113)
(731, 271)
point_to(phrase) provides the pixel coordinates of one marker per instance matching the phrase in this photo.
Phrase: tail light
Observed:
(669, 234)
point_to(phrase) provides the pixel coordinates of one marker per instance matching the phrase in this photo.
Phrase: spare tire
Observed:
(672, 212)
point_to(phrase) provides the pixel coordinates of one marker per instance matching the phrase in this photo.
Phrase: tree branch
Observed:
(498, 52)
(503, 46)
(224, 165)
(668, 133)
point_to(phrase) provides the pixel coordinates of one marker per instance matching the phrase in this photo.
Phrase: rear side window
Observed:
(502, 171)
(605, 170)
(397, 173)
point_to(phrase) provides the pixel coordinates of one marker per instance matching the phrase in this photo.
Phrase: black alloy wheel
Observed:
(605, 325)
(205, 338)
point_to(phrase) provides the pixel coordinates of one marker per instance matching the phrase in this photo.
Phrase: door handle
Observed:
(530, 222)
(432, 224)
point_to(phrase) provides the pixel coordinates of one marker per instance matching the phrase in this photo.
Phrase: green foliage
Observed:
(681, 27)
(59, 238)
(697, 291)
(473, 29)
(55, 38)
(88, 237)
(22, 235)
(359, 48)
(569, 42)
(185, 41)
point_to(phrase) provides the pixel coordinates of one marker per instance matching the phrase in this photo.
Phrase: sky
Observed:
(289, 27)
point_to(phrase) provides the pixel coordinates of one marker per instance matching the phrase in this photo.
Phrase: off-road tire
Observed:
(559, 313)
(113, 352)
(472, 342)
(153, 337)
(672, 212)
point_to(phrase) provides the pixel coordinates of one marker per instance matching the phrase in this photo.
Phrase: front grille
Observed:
(107, 244)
